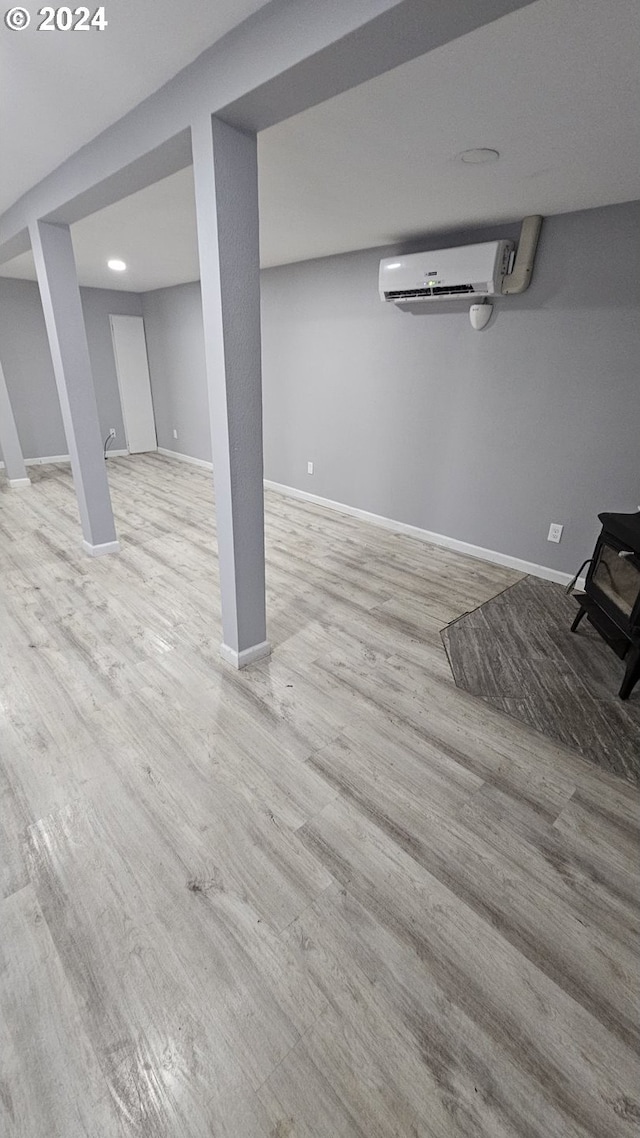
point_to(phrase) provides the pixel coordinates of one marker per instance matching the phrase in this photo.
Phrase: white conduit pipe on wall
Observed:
(519, 278)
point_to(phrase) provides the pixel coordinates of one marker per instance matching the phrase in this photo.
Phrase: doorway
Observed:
(132, 369)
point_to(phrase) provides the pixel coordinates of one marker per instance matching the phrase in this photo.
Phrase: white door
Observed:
(132, 367)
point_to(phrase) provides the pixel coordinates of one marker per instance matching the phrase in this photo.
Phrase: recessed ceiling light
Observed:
(478, 156)
(117, 265)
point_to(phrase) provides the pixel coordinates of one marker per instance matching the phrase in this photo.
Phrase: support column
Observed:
(226, 189)
(58, 282)
(14, 466)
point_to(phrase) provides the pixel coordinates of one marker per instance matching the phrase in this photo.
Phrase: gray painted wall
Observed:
(24, 351)
(486, 437)
(175, 345)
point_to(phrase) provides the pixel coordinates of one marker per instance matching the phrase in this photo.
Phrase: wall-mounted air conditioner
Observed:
(465, 272)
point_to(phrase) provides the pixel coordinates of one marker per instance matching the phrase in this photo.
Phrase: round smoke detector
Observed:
(478, 157)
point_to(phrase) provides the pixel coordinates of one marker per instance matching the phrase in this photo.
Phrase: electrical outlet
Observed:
(175, 433)
(112, 432)
(309, 468)
(555, 531)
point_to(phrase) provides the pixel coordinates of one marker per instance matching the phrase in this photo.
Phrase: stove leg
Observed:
(631, 675)
(581, 613)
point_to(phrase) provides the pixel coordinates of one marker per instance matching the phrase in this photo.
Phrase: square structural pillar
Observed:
(225, 167)
(62, 307)
(14, 466)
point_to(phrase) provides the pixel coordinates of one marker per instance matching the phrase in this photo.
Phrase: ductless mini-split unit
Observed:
(466, 272)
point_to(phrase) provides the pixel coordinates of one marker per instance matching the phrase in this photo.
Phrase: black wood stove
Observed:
(611, 600)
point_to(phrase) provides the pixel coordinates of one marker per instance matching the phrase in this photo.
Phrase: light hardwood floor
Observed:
(328, 896)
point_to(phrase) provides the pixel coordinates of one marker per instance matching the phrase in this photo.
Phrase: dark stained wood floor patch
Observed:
(517, 653)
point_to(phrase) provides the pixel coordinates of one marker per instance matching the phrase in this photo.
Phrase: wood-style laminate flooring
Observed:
(517, 651)
(332, 895)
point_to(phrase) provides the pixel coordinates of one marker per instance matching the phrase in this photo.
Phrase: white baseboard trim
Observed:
(50, 458)
(44, 461)
(101, 550)
(185, 458)
(47, 460)
(247, 656)
(19, 483)
(478, 551)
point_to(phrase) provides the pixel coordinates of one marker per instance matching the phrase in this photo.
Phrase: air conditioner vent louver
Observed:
(468, 271)
(436, 290)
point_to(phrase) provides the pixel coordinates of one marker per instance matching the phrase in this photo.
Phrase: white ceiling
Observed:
(153, 232)
(554, 87)
(58, 90)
